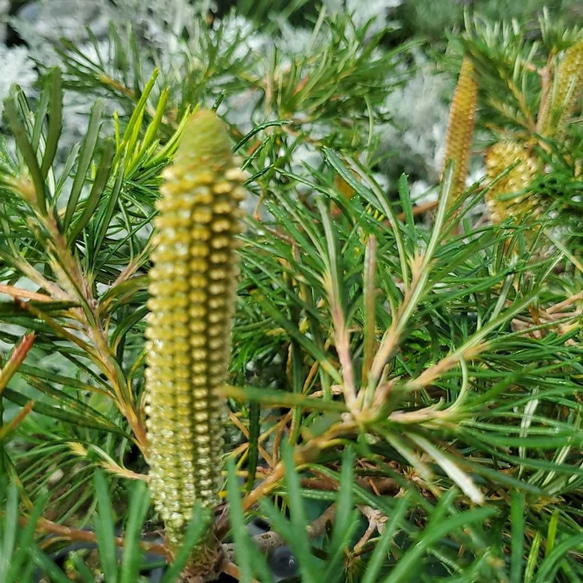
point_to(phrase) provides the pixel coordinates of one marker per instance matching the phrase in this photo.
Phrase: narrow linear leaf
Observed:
(517, 534)
(67, 416)
(345, 520)
(552, 533)
(55, 123)
(249, 559)
(464, 481)
(551, 563)
(99, 184)
(50, 568)
(104, 530)
(281, 398)
(253, 452)
(109, 211)
(132, 553)
(84, 161)
(26, 149)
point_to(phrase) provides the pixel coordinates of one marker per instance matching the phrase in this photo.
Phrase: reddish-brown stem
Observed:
(77, 534)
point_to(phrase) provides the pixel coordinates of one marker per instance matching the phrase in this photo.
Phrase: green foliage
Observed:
(23, 559)
(404, 392)
(427, 18)
(18, 545)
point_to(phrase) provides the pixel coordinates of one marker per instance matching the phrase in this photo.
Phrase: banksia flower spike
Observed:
(498, 158)
(461, 128)
(192, 288)
(561, 102)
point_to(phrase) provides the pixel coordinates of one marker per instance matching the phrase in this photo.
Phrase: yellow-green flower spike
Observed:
(461, 129)
(562, 100)
(502, 206)
(192, 288)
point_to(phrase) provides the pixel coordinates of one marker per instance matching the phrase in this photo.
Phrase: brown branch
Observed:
(78, 534)
(232, 570)
(421, 209)
(16, 359)
(565, 303)
(16, 293)
(318, 526)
